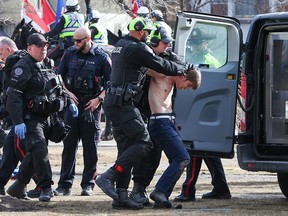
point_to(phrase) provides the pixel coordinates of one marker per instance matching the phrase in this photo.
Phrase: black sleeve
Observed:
(57, 30)
(144, 56)
(106, 68)
(20, 76)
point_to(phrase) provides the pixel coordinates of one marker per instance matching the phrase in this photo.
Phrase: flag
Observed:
(60, 9)
(136, 4)
(134, 8)
(48, 14)
(140, 3)
(30, 14)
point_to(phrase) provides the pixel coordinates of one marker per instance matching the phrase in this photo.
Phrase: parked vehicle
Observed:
(254, 75)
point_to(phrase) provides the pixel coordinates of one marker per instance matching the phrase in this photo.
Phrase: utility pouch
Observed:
(118, 96)
(133, 92)
(138, 96)
(40, 105)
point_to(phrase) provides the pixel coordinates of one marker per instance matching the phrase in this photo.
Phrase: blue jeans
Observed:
(165, 134)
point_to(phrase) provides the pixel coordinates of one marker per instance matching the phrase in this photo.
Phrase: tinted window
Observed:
(207, 46)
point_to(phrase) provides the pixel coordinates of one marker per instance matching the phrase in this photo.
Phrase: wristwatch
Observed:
(100, 99)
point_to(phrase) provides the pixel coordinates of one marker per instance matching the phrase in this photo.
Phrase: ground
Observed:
(252, 193)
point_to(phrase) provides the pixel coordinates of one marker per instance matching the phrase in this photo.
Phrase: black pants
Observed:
(144, 171)
(88, 133)
(216, 170)
(36, 157)
(131, 135)
(9, 158)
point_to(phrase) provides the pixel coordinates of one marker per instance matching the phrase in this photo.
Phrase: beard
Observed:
(144, 38)
(82, 47)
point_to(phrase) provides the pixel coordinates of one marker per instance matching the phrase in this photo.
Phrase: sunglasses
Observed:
(79, 40)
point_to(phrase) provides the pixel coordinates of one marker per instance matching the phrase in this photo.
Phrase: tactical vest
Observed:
(122, 74)
(73, 20)
(83, 83)
(51, 98)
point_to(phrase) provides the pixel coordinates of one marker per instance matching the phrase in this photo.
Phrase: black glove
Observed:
(189, 66)
(186, 67)
(88, 116)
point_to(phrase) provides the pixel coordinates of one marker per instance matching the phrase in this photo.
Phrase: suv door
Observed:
(206, 117)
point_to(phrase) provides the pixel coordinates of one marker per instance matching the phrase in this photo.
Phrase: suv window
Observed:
(206, 46)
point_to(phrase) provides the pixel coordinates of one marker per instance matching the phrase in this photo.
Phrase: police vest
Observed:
(86, 83)
(50, 99)
(101, 36)
(121, 73)
(73, 20)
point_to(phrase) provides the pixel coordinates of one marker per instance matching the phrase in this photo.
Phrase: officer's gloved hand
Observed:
(20, 130)
(88, 116)
(74, 109)
(188, 66)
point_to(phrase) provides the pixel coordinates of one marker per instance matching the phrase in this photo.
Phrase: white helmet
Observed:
(95, 14)
(143, 11)
(72, 5)
(157, 14)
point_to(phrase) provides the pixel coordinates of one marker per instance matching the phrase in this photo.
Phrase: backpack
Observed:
(9, 64)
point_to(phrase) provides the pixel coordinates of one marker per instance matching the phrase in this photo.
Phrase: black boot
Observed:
(106, 182)
(184, 198)
(46, 194)
(139, 195)
(18, 190)
(124, 202)
(160, 199)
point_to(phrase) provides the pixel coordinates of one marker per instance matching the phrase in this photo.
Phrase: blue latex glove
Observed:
(74, 109)
(20, 130)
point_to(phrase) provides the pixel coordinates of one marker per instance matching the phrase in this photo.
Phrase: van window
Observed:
(206, 46)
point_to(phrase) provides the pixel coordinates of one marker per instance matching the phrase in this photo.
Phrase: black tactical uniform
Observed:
(130, 57)
(35, 93)
(12, 154)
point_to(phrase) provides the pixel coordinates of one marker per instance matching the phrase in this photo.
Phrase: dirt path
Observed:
(253, 193)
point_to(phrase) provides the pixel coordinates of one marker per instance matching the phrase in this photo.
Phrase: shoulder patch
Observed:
(18, 71)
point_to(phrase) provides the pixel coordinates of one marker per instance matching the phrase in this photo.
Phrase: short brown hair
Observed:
(194, 75)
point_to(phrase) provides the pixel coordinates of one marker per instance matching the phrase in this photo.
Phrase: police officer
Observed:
(198, 51)
(130, 59)
(85, 69)
(9, 158)
(35, 93)
(65, 28)
(143, 12)
(98, 32)
(158, 20)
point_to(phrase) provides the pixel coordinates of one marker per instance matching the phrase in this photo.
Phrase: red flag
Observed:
(48, 13)
(134, 8)
(29, 13)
